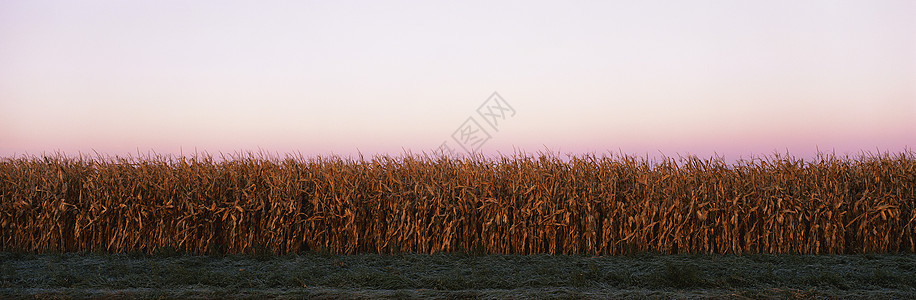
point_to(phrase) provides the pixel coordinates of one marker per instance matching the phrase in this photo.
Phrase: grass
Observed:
(455, 275)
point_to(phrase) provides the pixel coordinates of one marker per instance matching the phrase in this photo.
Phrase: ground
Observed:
(455, 275)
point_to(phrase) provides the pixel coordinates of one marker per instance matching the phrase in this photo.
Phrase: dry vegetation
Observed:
(520, 204)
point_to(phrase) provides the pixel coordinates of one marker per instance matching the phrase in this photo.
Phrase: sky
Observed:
(728, 78)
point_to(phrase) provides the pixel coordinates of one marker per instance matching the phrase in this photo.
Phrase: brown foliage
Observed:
(520, 204)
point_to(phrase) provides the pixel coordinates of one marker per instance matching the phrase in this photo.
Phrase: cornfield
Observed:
(417, 203)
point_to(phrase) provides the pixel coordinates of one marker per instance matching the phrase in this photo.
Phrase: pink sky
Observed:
(660, 77)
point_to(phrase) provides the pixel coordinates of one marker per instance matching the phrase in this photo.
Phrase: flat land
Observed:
(455, 275)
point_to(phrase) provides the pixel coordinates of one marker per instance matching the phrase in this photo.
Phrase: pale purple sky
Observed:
(318, 77)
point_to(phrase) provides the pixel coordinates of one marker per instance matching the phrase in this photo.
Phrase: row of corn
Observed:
(519, 204)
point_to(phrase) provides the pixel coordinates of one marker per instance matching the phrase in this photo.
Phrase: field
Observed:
(456, 276)
(255, 226)
(422, 204)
